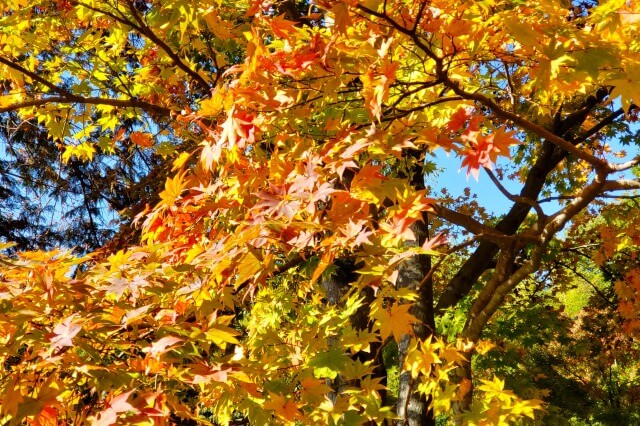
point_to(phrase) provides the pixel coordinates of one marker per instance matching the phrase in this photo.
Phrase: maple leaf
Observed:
(328, 363)
(368, 180)
(625, 86)
(282, 27)
(220, 335)
(627, 310)
(238, 129)
(173, 188)
(314, 391)
(341, 18)
(162, 346)
(623, 290)
(64, 332)
(134, 315)
(396, 321)
(284, 408)
(248, 267)
(48, 416)
(422, 357)
(117, 405)
(484, 150)
(438, 240)
(141, 139)
(205, 374)
(376, 87)
(120, 285)
(458, 119)
(632, 277)
(399, 228)
(357, 233)
(84, 151)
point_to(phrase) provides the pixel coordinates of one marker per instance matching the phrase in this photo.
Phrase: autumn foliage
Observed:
(298, 266)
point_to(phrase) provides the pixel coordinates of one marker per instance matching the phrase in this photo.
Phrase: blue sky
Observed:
(455, 180)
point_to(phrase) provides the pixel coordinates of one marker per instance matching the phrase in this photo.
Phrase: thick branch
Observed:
(610, 185)
(471, 225)
(35, 77)
(621, 185)
(624, 166)
(72, 99)
(493, 294)
(511, 197)
(601, 125)
(548, 159)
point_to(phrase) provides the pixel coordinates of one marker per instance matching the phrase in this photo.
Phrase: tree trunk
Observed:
(412, 407)
(336, 286)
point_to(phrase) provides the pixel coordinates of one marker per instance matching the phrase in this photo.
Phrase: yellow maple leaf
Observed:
(314, 390)
(83, 152)
(221, 335)
(397, 321)
(172, 189)
(421, 358)
(248, 268)
(213, 105)
(626, 86)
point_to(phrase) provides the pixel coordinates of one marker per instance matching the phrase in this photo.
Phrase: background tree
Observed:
(49, 202)
(296, 240)
(54, 196)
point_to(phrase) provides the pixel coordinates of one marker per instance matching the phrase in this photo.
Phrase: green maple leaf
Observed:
(329, 363)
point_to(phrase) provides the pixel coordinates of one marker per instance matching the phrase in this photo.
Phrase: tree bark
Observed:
(336, 286)
(413, 407)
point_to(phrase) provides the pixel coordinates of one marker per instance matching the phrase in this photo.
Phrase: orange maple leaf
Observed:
(484, 149)
(397, 321)
(47, 417)
(627, 310)
(282, 27)
(284, 409)
(238, 129)
(458, 119)
(141, 139)
(341, 17)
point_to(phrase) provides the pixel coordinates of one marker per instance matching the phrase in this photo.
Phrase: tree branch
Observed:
(148, 32)
(471, 225)
(493, 294)
(609, 185)
(514, 198)
(71, 99)
(601, 125)
(579, 274)
(442, 74)
(35, 77)
(144, 29)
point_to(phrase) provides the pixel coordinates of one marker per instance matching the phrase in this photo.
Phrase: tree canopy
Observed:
(278, 251)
